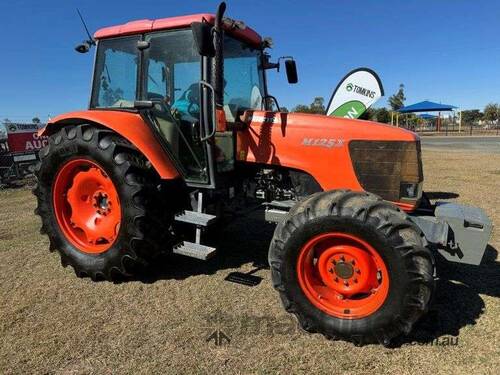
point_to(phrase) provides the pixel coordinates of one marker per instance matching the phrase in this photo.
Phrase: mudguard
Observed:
(130, 126)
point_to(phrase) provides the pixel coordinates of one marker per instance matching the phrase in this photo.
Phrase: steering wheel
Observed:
(193, 98)
(161, 100)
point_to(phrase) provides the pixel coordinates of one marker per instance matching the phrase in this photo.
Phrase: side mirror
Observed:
(202, 33)
(291, 71)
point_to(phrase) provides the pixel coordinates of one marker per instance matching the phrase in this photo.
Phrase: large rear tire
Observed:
(99, 202)
(352, 267)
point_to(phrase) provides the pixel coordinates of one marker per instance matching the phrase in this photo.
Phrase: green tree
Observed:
(302, 108)
(284, 109)
(471, 116)
(317, 106)
(383, 115)
(491, 113)
(36, 120)
(397, 100)
(369, 114)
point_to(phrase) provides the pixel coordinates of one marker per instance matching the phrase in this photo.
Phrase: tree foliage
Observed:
(36, 120)
(471, 116)
(491, 113)
(377, 114)
(369, 114)
(317, 106)
(383, 115)
(397, 100)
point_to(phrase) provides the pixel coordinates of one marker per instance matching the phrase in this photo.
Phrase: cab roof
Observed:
(143, 26)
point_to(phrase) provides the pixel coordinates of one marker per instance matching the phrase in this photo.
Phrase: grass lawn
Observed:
(53, 322)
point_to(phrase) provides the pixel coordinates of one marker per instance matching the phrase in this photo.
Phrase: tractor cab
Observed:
(171, 71)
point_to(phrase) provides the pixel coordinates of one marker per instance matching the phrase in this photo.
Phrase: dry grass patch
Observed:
(52, 322)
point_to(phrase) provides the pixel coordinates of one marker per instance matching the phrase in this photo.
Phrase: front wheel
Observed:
(352, 266)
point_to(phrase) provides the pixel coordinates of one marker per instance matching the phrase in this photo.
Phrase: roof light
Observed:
(233, 24)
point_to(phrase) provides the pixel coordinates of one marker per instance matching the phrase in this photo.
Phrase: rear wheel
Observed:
(100, 204)
(352, 266)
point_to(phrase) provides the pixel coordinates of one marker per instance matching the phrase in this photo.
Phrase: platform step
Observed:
(194, 250)
(197, 218)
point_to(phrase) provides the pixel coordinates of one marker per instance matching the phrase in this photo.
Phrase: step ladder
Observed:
(200, 220)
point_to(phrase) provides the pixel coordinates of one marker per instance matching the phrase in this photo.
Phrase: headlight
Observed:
(410, 190)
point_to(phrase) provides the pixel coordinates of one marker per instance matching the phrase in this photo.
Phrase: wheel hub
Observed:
(101, 203)
(343, 270)
(342, 275)
(87, 206)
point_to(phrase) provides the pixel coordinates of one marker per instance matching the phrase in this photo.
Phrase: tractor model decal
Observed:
(323, 142)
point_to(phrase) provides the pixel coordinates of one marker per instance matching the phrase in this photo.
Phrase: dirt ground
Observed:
(53, 322)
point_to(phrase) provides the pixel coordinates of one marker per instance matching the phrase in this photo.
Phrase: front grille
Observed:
(384, 167)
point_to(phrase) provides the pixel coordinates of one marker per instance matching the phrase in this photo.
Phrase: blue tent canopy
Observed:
(426, 106)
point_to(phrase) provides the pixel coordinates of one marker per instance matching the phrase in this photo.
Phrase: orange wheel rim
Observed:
(86, 206)
(342, 275)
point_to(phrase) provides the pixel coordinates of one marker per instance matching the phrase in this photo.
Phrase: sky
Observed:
(446, 51)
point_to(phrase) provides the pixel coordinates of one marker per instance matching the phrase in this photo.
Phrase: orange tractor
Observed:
(181, 127)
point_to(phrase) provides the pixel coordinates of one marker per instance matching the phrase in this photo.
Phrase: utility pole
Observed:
(459, 120)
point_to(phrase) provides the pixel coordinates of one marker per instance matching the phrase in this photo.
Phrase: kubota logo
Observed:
(349, 87)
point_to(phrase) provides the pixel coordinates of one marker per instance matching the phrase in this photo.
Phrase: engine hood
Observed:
(341, 128)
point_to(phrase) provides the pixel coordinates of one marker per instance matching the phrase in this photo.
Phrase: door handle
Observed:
(204, 117)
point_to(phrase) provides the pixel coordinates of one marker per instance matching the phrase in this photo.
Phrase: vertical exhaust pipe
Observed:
(218, 68)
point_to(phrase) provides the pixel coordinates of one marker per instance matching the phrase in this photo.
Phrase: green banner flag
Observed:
(356, 92)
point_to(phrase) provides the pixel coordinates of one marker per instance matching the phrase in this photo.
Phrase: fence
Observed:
(454, 129)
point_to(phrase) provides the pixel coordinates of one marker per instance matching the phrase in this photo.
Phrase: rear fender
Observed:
(130, 126)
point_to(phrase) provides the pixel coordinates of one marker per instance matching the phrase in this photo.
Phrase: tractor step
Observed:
(194, 250)
(196, 218)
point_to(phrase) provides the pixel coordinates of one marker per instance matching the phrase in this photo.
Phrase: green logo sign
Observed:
(351, 109)
(349, 87)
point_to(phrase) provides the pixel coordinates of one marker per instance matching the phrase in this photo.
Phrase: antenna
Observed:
(85, 46)
(85, 25)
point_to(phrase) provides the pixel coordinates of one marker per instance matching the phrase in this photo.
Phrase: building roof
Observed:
(144, 26)
(426, 106)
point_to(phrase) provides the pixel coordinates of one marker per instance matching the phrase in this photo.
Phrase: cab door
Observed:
(172, 71)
